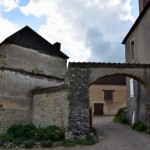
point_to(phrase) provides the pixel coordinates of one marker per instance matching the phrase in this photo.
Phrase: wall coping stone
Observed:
(106, 65)
(50, 89)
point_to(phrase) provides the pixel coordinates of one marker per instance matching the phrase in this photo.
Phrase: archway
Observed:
(110, 93)
(80, 76)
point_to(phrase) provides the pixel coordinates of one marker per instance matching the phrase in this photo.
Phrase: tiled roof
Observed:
(28, 38)
(106, 65)
(111, 80)
(137, 22)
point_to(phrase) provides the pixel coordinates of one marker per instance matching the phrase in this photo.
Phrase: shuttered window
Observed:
(108, 94)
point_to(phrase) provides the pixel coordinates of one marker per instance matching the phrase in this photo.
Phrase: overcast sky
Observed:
(88, 30)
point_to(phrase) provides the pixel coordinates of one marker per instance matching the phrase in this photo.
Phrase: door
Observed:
(98, 109)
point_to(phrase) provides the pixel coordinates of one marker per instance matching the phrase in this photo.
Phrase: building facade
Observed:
(27, 62)
(107, 95)
(137, 51)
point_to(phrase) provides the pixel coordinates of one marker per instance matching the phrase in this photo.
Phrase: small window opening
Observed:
(108, 94)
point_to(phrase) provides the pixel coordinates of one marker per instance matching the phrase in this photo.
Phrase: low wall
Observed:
(50, 106)
(9, 117)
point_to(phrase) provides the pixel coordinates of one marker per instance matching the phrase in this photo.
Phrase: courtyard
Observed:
(113, 136)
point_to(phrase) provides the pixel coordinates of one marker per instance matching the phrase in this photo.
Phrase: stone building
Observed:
(107, 95)
(27, 62)
(137, 51)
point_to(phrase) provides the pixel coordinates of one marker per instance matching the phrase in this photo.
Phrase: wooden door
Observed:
(98, 109)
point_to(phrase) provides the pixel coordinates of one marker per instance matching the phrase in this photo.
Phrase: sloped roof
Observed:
(137, 22)
(111, 80)
(28, 38)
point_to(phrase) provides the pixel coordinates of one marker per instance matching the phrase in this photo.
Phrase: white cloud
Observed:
(39, 8)
(8, 4)
(88, 29)
(6, 28)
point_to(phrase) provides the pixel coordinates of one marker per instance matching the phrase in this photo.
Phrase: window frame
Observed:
(108, 94)
(132, 93)
(132, 49)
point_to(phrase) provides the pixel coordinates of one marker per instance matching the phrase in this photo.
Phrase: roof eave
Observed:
(136, 22)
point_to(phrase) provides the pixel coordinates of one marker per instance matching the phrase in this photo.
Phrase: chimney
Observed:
(142, 4)
(57, 46)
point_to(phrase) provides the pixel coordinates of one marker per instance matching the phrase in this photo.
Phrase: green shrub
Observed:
(46, 144)
(53, 133)
(121, 112)
(22, 131)
(69, 143)
(40, 135)
(15, 130)
(138, 126)
(28, 144)
(6, 138)
(88, 140)
(120, 119)
(94, 131)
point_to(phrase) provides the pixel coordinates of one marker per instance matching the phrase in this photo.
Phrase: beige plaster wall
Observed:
(111, 107)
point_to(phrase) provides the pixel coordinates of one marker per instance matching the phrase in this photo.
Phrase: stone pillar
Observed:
(78, 117)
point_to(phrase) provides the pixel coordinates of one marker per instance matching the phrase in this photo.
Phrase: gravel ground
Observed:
(114, 136)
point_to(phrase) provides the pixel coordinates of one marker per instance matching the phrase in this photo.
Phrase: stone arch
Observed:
(80, 76)
(141, 81)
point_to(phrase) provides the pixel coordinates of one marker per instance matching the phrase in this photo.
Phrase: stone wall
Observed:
(9, 117)
(25, 59)
(50, 106)
(78, 119)
(80, 76)
(21, 71)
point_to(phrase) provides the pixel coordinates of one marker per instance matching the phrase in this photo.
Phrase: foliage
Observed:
(138, 126)
(54, 133)
(88, 140)
(94, 131)
(28, 144)
(121, 112)
(39, 135)
(46, 144)
(22, 131)
(6, 138)
(120, 117)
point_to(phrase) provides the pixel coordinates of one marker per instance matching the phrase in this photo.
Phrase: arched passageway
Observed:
(80, 76)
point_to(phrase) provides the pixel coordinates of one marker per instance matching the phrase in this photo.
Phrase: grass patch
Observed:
(88, 140)
(28, 144)
(120, 117)
(46, 144)
(6, 138)
(138, 126)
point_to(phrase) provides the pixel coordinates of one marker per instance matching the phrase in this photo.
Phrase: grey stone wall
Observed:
(21, 71)
(78, 119)
(25, 59)
(16, 88)
(9, 117)
(50, 106)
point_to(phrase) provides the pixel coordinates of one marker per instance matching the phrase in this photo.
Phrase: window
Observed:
(131, 88)
(132, 47)
(108, 94)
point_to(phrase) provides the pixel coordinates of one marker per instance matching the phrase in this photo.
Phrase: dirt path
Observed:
(114, 136)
